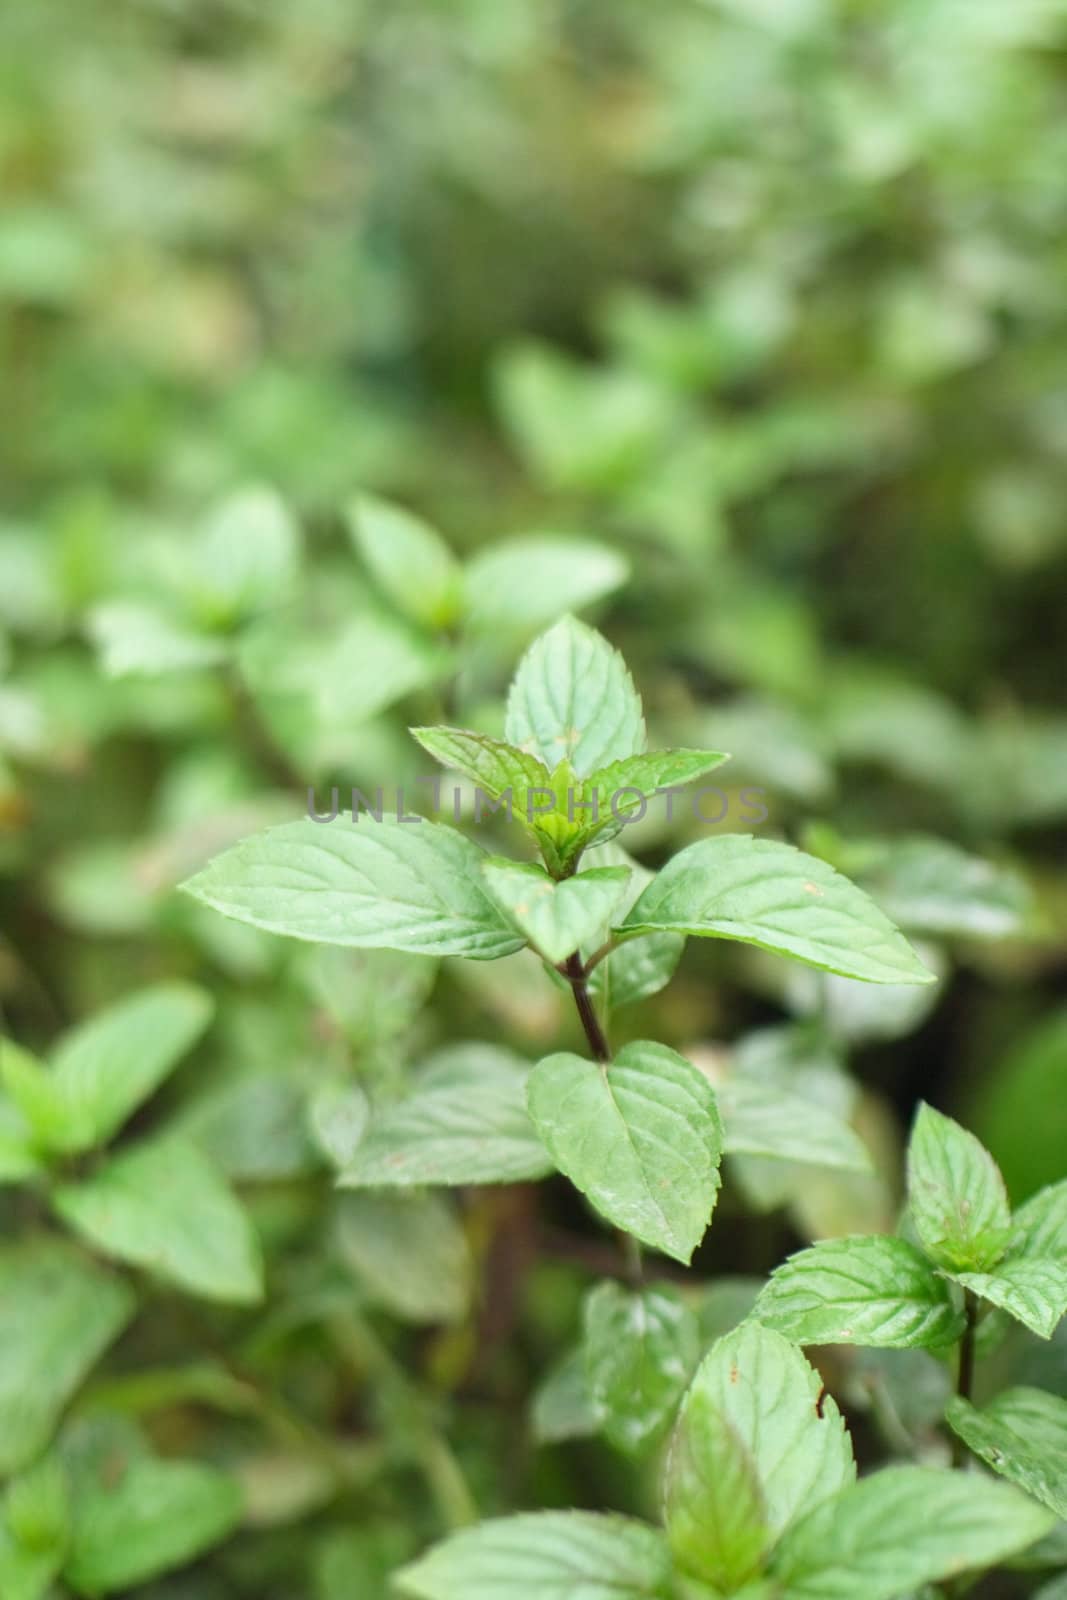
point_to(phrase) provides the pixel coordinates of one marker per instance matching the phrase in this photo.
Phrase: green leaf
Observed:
(605, 802)
(385, 885)
(18, 1159)
(51, 1118)
(548, 1555)
(562, 1405)
(872, 1291)
(769, 894)
(956, 1195)
(26, 1571)
(757, 1443)
(155, 1516)
(580, 426)
(58, 1314)
(246, 557)
(408, 1253)
(639, 968)
(465, 1122)
(105, 1068)
(162, 1205)
(491, 764)
(1040, 1226)
(650, 772)
(764, 1120)
(558, 918)
(526, 582)
(34, 1526)
(641, 1138)
(1033, 1290)
(338, 1114)
(715, 1511)
(36, 1507)
(573, 699)
(901, 1528)
(137, 639)
(931, 887)
(408, 560)
(252, 1126)
(640, 1348)
(1022, 1434)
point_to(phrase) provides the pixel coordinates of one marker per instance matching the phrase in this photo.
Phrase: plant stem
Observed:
(965, 1371)
(576, 975)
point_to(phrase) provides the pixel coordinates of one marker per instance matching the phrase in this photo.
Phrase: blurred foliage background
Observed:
(740, 325)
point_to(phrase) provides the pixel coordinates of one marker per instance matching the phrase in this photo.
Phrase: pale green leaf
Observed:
(641, 1138)
(769, 894)
(58, 1314)
(18, 1159)
(49, 1117)
(155, 1515)
(901, 1528)
(525, 582)
(252, 1126)
(408, 560)
(34, 1528)
(558, 918)
(956, 1195)
(714, 1507)
(548, 1555)
(385, 885)
(106, 1067)
(580, 426)
(618, 794)
(573, 699)
(562, 1406)
(1032, 1289)
(640, 1348)
(1040, 1226)
(757, 1443)
(408, 1253)
(639, 968)
(338, 1114)
(246, 557)
(464, 1122)
(491, 764)
(762, 1119)
(27, 1571)
(868, 1291)
(134, 638)
(932, 887)
(163, 1206)
(1022, 1435)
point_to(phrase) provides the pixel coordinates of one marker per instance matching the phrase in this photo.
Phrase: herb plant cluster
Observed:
(623, 1155)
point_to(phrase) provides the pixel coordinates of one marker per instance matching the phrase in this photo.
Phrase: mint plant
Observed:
(760, 1490)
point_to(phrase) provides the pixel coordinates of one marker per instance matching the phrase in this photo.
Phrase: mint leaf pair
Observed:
(888, 1292)
(572, 761)
(517, 585)
(159, 1202)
